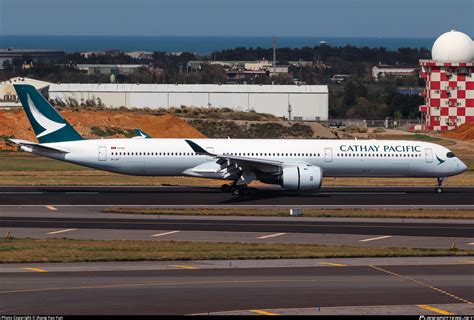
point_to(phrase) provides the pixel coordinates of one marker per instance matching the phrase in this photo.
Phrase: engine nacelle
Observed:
(303, 178)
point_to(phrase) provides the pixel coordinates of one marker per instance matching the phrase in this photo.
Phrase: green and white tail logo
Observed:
(47, 123)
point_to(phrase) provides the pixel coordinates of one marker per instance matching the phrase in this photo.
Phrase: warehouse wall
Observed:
(307, 102)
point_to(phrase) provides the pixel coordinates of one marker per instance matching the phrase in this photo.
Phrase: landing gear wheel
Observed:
(438, 189)
(226, 188)
(240, 190)
(236, 191)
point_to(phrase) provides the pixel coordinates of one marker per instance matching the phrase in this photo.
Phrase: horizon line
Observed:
(210, 36)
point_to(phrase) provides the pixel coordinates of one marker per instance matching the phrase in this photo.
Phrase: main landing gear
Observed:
(235, 189)
(439, 188)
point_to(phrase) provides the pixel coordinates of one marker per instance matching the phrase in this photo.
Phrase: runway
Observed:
(241, 225)
(436, 285)
(337, 197)
(254, 290)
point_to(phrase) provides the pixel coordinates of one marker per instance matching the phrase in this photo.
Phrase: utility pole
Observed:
(274, 54)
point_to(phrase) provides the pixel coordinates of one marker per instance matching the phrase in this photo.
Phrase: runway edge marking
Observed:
(424, 284)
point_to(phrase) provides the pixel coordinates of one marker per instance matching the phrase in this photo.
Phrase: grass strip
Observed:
(22, 250)
(323, 213)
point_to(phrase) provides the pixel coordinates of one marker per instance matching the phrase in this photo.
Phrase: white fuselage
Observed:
(336, 158)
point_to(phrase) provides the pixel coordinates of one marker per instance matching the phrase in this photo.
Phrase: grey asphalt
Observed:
(239, 225)
(452, 197)
(190, 291)
(248, 237)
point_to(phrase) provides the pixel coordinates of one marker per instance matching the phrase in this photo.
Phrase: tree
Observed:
(350, 93)
(213, 73)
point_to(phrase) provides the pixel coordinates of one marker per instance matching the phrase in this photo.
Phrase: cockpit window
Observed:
(450, 155)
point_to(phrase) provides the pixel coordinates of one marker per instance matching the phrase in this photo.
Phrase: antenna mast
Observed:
(274, 53)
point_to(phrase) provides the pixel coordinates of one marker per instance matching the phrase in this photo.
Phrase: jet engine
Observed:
(302, 178)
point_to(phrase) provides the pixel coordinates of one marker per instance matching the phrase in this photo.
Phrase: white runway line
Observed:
(164, 234)
(52, 208)
(471, 244)
(61, 231)
(378, 238)
(271, 236)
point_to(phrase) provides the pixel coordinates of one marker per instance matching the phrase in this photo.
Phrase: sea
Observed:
(197, 44)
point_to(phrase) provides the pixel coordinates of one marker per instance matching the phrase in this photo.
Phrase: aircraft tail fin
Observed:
(47, 123)
(141, 134)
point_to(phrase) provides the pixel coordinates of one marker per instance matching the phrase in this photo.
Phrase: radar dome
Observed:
(453, 46)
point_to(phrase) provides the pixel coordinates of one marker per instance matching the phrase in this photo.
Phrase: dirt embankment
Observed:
(463, 132)
(90, 124)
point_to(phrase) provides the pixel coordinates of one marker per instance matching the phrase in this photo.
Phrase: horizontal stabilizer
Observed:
(40, 147)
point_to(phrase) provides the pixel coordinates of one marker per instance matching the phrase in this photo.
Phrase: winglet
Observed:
(196, 148)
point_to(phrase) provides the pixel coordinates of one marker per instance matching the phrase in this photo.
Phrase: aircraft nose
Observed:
(462, 167)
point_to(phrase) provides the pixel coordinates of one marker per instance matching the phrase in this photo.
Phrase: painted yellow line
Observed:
(265, 313)
(440, 311)
(334, 264)
(52, 208)
(183, 267)
(35, 269)
(424, 284)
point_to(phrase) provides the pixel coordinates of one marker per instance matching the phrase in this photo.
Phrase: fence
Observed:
(387, 123)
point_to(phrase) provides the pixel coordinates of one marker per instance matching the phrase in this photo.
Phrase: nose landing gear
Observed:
(439, 188)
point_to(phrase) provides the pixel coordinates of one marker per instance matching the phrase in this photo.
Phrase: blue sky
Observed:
(345, 18)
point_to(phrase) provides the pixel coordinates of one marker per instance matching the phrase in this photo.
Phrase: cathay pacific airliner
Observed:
(297, 165)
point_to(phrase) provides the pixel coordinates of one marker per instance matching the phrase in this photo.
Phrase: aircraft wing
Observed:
(232, 167)
(37, 146)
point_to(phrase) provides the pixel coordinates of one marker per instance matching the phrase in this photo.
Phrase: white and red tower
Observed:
(449, 76)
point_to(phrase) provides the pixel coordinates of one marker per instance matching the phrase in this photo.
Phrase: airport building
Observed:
(305, 102)
(8, 96)
(382, 70)
(8, 55)
(449, 76)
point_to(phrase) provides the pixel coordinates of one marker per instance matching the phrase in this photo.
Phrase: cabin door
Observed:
(327, 154)
(102, 153)
(428, 155)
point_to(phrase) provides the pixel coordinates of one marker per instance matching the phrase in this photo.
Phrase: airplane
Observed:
(297, 165)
